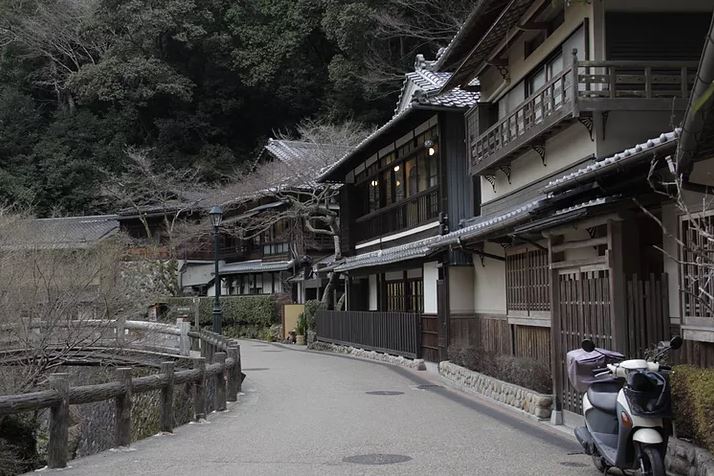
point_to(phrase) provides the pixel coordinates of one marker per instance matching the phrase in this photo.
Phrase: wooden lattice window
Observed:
(697, 268)
(527, 283)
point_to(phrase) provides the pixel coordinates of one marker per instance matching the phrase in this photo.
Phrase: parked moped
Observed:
(628, 412)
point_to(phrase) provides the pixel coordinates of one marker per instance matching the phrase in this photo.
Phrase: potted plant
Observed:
(300, 329)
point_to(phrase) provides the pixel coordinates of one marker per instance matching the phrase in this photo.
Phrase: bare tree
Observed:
(56, 301)
(60, 31)
(405, 28)
(162, 199)
(308, 208)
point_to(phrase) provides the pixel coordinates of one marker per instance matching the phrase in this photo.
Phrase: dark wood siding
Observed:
(458, 181)
(661, 36)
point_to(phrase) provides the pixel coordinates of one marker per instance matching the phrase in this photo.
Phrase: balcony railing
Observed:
(417, 210)
(601, 86)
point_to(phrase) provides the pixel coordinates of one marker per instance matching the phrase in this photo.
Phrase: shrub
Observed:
(519, 371)
(243, 311)
(693, 404)
(311, 308)
(301, 325)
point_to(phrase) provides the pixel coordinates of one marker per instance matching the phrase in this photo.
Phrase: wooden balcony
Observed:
(417, 210)
(574, 94)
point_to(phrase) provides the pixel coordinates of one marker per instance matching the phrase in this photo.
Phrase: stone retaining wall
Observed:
(524, 399)
(685, 459)
(417, 364)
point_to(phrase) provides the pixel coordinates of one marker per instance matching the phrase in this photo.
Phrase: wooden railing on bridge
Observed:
(395, 333)
(224, 370)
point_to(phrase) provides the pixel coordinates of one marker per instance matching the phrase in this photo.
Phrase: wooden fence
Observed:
(647, 313)
(390, 332)
(225, 371)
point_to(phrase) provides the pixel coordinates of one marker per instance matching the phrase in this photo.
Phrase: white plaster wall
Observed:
(625, 129)
(431, 276)
(461, 289)
(490, 282)
(579, 234)
(492, 84)
(373, 292)
(561, 151)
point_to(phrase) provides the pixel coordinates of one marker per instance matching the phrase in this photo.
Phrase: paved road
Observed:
(305, 413)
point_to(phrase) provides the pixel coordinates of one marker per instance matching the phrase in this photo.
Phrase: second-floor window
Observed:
(411, 169)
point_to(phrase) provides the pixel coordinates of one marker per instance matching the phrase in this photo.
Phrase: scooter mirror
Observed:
(676, 342)
(587, 345)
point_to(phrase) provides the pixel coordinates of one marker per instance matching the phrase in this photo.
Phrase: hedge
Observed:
(520, 371)
(254, 311)
(693, 402)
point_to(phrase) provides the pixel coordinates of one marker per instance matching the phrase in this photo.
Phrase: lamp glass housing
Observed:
(216, 215)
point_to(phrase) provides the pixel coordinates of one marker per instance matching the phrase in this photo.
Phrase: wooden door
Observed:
(583, 299)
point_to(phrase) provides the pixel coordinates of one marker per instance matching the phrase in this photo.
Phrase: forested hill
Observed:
(198, 83)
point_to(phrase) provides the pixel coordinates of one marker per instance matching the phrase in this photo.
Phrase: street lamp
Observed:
(216, 215)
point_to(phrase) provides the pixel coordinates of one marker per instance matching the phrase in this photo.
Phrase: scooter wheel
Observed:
(599, 463)
(651, 462)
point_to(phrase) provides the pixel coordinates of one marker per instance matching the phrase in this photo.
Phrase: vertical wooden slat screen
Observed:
(390, 332)
(527, 281)
(584, 311)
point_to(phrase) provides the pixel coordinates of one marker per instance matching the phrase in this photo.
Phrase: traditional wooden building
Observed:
(577, 101)
(265, 250)
(406, 182)
(578, 114)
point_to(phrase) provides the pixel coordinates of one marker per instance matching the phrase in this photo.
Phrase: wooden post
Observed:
(220, 402)
(120, 331)
(555, 347)
(122, 419)
(184, 339)
(167, 398)
(199, 389)
(59, 423)
(618, 284)
(234, 373)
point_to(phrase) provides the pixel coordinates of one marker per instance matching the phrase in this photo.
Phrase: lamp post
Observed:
(216, 215)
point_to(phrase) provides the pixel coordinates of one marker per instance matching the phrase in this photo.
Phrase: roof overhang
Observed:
(398, 126)
(486, 42)
(477, 23)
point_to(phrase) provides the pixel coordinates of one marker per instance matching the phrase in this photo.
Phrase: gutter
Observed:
(695, 120)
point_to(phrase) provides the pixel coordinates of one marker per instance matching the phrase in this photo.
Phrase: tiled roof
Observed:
(480, 18)
(422, 248)
(485, 43)
(66, 233)
(643, 150)
(422, 85)
(419, 91)
(254, 266)
(287, 150)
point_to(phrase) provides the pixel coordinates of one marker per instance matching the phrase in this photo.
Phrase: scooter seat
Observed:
(603, 395)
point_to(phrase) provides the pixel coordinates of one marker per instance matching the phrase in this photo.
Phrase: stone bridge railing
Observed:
(219, 361)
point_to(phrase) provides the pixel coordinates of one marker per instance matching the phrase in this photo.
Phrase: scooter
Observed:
(627, 410)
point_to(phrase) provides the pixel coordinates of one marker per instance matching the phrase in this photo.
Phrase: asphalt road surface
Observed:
(314, 413)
